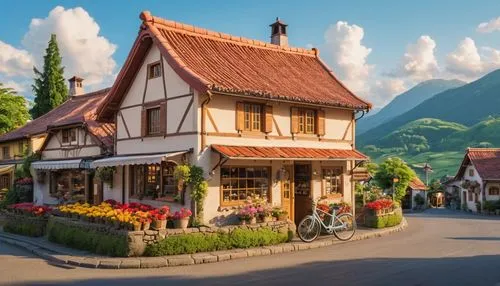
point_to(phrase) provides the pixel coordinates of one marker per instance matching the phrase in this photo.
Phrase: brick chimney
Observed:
(278, 33)
(75, 86)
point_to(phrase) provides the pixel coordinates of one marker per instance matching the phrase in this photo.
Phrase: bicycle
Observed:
(343, 226)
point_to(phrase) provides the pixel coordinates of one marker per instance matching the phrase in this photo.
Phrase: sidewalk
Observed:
(63, 255)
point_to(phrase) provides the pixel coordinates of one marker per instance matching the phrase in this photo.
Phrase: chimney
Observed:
(278, 33)
(75, 86)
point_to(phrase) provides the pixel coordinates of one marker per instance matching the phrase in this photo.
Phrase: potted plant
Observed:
(106, 174)
(265, 212)
(181, 218)
(160, 217)
(247, 214)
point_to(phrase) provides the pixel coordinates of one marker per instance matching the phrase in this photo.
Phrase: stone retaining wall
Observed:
(138, 240)
(24, 225)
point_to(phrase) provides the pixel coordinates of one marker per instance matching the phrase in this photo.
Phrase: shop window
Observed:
(6, 152)
(69, 136)
(253, 117)
(494, 191)
(332, 181)
(154, 70)
(154, 182)
(241, 183)
(307, 118)
(68, 185)
(154, 121)
(302, 177)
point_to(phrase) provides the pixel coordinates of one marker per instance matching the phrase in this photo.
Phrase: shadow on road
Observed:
(382, 271)
(446, 213)
(482, 238)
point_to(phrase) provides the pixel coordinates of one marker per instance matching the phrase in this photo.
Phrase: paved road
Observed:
(438, 248)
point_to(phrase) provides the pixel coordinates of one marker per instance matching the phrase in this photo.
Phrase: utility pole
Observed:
(427, 169)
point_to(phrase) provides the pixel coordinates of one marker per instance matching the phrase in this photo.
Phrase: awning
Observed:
(5, 169)
(135, 160)
(62, 164)
(287, 153)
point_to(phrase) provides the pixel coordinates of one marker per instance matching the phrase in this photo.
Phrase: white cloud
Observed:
(384, 90)
(468, 62)
(15, 62)
(419, 62)
(489, 27)
(19, 88)
(465, 59)
(344, 44)
(85, 53)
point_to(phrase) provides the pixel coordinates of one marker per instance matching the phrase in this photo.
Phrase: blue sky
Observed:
(441, 38)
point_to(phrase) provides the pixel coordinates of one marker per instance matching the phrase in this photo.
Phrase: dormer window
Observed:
(69, 136)
(154, 70)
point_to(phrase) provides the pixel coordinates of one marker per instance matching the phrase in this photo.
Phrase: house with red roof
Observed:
(262, 119)
(477, 179)
(415, 188)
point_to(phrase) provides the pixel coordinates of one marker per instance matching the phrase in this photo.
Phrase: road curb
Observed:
(57, 256)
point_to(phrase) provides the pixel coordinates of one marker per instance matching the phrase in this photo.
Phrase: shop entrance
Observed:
(302, 190)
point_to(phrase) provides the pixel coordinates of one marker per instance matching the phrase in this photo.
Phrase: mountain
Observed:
(467, 105)
(483, 134)
(405, 102)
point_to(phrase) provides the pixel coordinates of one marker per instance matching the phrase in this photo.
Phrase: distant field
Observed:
(443, 163)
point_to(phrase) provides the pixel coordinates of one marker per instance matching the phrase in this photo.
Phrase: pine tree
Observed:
(50, 86)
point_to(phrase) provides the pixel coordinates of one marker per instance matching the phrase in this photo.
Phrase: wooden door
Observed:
(287, 191)
(302, 176)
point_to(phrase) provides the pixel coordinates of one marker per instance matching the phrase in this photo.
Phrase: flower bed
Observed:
(380, 206)
(26, 219)
(384, 220)
(259, 210)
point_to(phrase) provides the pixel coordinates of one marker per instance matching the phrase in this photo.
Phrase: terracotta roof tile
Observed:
(218, 62)
(486, 161)
(417, 184)
(78, 109)
(246, 152)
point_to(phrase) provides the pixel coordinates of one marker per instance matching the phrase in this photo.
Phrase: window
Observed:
(6, 152)
(69, 136)
(21, 146)
(154, 121)
(332, 181)
(471, 172)
(155, 182)
(494, 191)
(240, 183)
(469, 196)
(307, 118)
(253, 117)
(68, 186)
(154, 70)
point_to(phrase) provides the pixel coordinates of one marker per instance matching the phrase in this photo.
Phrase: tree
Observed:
(13, 110)
(49, 87)
(394, 168)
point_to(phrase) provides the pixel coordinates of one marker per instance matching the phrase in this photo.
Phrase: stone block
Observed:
(150, 232)
(222, 255)
(153, 262)
(238, 254)
(180, 260)
(200, 258)
(90, 263)
(288, 247)
(130, 263)
(110, 264)
(275, 249)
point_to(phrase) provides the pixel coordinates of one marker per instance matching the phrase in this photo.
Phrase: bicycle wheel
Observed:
(348, 229)
(308, 229)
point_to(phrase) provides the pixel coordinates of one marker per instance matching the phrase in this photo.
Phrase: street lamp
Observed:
(427, 169)
(394, 181)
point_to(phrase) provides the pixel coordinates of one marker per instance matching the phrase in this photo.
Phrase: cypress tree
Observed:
(50, 86)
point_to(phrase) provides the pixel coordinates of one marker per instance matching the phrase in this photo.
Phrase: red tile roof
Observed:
(486, 161)
(246, 152)
(218, 62)
(76, 110)
(417, 184)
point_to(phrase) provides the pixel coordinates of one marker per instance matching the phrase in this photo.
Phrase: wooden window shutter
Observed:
(320, 122)
(268, 115)
(163, 118)
(294, 120)
(144, 122)
(240, 116)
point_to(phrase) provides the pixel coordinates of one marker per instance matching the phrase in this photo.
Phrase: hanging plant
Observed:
(182, 174)
(106, 174)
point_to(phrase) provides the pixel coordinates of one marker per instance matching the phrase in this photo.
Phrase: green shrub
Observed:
(33, 228)
(384, 220)
(203, 242)
(84, 239)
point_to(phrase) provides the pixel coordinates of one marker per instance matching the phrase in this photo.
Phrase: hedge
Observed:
(27, 227)
(382, 221)
(90, 240)
(204, 242)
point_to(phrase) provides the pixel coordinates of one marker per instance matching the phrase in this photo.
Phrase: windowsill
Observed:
(153, 135)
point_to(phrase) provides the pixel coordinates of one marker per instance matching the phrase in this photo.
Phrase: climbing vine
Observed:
(193, 175)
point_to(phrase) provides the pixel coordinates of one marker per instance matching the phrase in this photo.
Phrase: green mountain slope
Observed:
(484, 134)
(467, 105)
(405, 102)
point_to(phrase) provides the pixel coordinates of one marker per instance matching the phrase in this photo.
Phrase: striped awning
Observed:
(5, 169)
(135, 160)
(61, 164)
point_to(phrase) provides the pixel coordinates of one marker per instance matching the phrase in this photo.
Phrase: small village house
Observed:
(415, 188)
(262, 119)
(478, 178)
(74, 139)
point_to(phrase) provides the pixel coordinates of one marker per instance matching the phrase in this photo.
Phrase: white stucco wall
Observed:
(84, 147)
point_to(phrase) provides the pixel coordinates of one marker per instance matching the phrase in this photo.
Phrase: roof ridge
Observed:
(193, 30)
(475, 149)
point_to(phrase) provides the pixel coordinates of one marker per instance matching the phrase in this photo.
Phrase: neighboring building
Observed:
(260, 119)
(478, 178)
(416, 187)
(73, 141)
(452, 192)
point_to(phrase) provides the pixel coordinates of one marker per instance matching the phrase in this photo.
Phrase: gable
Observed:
(85, 145)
